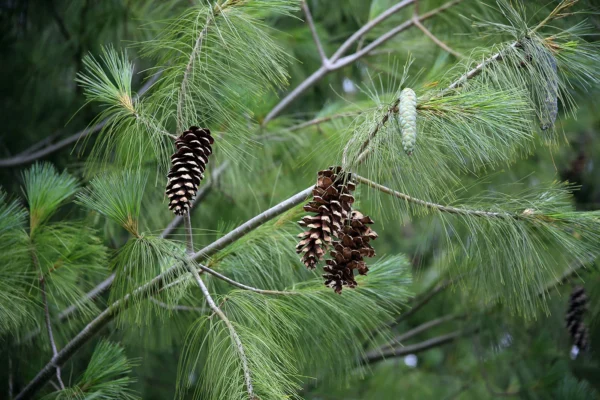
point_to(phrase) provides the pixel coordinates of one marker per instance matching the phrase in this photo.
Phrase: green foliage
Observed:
(204, 82)
(117, 196)
(130, 133)
(287, 338)
(14, 302)
(46, 190)
(106, 377)
(136, 263)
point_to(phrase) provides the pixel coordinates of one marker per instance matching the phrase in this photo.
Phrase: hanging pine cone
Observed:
(349, 253)
(578, 303)
(332, 202)
(407, 118)
(189, 163)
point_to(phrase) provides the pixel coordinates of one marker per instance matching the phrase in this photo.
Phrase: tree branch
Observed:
(242, 286)
(435, 206)
(423, 300)
(419, 329)
(151, 287)
(313, 30)
(336, 62)
(216, 309)
(27, 157)
(377, 355)
(437, 41)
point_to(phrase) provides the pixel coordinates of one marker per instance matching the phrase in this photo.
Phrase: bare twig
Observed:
(423, 300)
(337, 61)
(151, 287)
(49, 329)
(438, 207)
(313, 30)
(26, 157)
(10, 377)
(378, 355)
(419, 329)
(242, 286)
(434, 38)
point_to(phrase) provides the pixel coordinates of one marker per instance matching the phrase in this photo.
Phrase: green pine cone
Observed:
(407, 117)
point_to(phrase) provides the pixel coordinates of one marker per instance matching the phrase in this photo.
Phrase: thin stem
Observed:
(434, 38)
(241, 285)
(234, 336)
(151, 287)
(423, 300)
(10, 376)
(49, 329)
(216, 309)
(419, 329)
(378, 355)
(27, 157)
(438, 207)
(313, 30)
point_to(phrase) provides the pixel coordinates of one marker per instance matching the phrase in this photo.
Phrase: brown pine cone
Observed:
(189, 163)
(349, 253)
(332, 202)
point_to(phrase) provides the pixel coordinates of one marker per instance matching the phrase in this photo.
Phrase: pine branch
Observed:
(106, 284)
(376, 355)
(216, 309)
(336, 62)
(474, 72)
(151, 287)
(27, 157)
(438, 207)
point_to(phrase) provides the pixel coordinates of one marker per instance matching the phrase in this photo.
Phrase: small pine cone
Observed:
(578, 303)
(189, 163)
(349, 253)
(332, 202)
(407, 117)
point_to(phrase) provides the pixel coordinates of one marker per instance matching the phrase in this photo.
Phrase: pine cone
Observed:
(349, 253)
(578, 303)
(407, 117)
(332, 202)
(189, 163)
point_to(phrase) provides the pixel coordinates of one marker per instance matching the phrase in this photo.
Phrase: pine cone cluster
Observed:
(332, 203)
(578, 303)
(349, 253)
(189, 163)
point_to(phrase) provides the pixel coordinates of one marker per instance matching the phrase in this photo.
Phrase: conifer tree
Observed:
(445, 118)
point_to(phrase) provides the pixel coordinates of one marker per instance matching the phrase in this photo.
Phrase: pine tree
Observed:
(446, 130)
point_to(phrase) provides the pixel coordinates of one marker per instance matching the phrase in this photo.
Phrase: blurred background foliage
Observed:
(497, 354)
